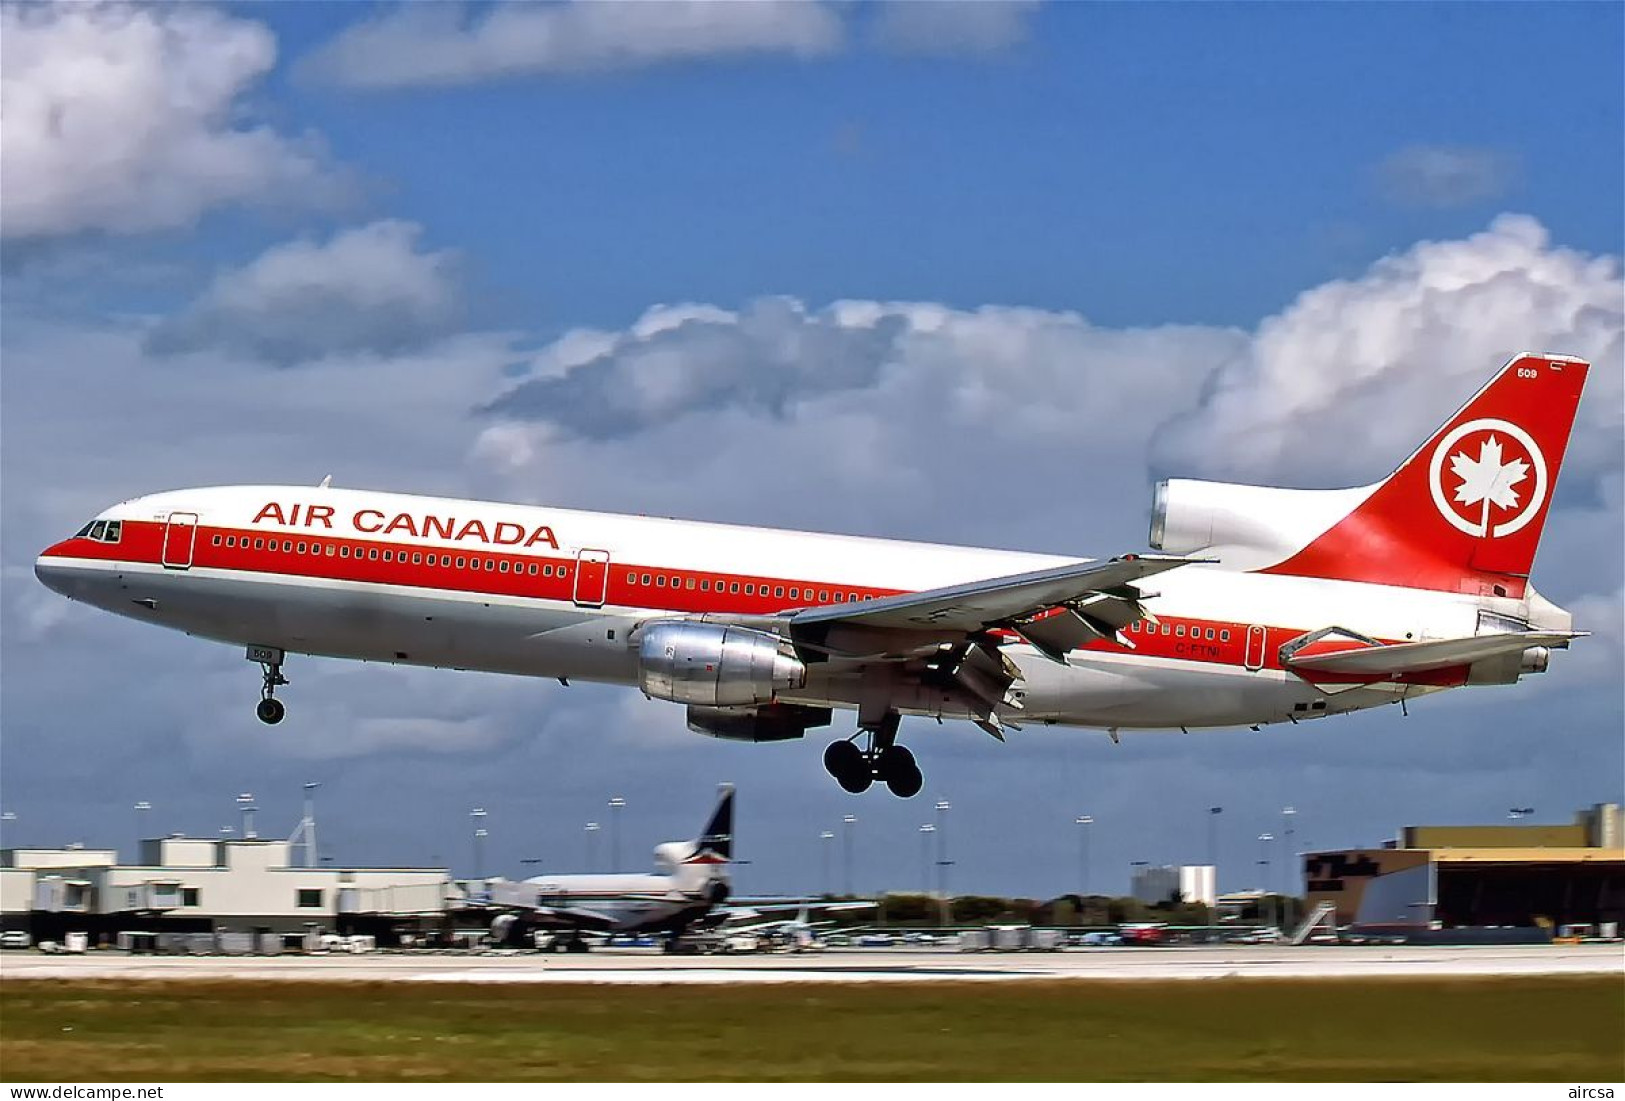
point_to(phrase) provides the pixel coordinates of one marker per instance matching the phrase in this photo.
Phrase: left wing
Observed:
(948, 636)
(1089, 600)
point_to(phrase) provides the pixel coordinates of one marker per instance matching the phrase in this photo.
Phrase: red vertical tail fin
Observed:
(1465, 512)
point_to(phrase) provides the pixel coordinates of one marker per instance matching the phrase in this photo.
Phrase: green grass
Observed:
(1545, 1029)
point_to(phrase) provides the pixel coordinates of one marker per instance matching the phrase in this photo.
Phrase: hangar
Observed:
(1460, 877)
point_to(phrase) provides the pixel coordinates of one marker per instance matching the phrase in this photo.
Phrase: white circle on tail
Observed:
(1485, 477)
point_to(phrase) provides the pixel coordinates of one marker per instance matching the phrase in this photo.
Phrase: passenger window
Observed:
(734, 587)
(434, 560)
(344, 552)
(331, 550)
(563, 572)
(231, 540)
(1167, 630)
(533, 569)
(460, 561)
(689, 584)
(1209, 634)
(778, 591)
(389, 556)
(301, 548)
(795, 594)
(1224, 636)
(631, 579)
(750, 590)
(661, 581)
(372, 553)
(417, 559)
(1180, 630)
(504, 566)
(216, 540)
(705, 584)
(823, 595)
(259, 544)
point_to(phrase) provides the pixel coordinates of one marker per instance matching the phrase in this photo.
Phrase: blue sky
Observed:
(1176, 174)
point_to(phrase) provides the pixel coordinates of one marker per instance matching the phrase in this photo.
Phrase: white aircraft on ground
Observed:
(686, 895)
(1270, 605)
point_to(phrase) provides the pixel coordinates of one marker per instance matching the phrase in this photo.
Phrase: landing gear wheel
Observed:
(270, 710)
(896, 769)
(851, 769)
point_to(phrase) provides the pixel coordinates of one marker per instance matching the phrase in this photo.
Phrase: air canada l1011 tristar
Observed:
(1268, 605)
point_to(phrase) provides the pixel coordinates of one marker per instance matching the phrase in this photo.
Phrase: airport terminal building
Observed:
(208, 885)
(1456, 877)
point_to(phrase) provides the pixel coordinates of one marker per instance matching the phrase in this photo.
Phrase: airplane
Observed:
(686, 894)
(1260, 604)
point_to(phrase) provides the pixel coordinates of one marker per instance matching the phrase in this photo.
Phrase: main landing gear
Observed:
(269, 709)
(884, 760)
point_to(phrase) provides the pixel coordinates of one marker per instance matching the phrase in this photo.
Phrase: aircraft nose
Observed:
(49, 568)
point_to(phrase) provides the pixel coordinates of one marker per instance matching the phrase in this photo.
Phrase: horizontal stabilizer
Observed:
(1420, 657)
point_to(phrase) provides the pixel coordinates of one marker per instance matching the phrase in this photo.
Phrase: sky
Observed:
(974, 273)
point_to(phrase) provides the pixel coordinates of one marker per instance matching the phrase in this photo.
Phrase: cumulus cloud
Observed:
(952, 26)
(447, 44)
(1392, 353)
(368, 289)
(1445, 175)
(125, 120)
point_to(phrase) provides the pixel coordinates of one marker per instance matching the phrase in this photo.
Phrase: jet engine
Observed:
(711, 665)
(1189, 516)
(771, 722)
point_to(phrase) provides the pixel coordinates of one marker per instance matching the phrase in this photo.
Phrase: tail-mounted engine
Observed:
(712, 665)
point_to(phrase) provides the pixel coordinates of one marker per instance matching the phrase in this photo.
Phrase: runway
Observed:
(857, 966)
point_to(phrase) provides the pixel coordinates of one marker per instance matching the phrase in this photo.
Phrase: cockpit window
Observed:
(103, 531)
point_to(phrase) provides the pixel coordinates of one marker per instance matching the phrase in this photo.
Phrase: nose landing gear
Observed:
(269, 710)
(893, 765)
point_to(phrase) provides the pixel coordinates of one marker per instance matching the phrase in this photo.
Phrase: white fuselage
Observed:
(556, 593)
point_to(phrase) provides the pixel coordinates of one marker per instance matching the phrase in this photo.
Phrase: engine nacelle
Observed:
(711, 665)
(772, 722)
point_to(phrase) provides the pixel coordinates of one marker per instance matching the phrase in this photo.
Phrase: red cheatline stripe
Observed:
(323, 557)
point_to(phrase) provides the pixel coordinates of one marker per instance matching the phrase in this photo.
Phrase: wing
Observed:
(1422, 657)
(949, 637)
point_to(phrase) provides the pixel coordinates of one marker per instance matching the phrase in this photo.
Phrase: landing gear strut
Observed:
(269, 710)
(893, 765)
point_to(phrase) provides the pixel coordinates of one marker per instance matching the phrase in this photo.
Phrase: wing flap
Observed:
(1422, 657)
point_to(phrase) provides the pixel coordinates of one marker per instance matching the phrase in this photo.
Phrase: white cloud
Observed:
(368, 289)
(446, 44)
(952, 26)
(1445, 175)
(126, 120)
(1381, 360)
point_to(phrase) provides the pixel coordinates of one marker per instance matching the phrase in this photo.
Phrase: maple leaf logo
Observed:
(1487, 480)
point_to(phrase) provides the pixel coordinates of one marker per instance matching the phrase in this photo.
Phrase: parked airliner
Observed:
(1264, 605)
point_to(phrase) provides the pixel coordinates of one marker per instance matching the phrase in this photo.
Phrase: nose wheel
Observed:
(269, 710)
(856, 769)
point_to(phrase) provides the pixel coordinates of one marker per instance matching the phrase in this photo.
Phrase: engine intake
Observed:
(711, 665)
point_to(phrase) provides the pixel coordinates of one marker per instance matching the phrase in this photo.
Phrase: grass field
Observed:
(1556, 1029)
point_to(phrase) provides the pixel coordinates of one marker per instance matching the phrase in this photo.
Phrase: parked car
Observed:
(16, 938)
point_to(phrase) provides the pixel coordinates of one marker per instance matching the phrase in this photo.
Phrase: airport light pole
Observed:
(925, 856)
(1083, 822)
(943, 863)
(307, 825)
(477, 815)
(1291, 867)
(591, 829)
(847, 823)
(245, 803)
(1264, 840)
(142, 809)
(824, 839)
(616, 803)
(1213, 842)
